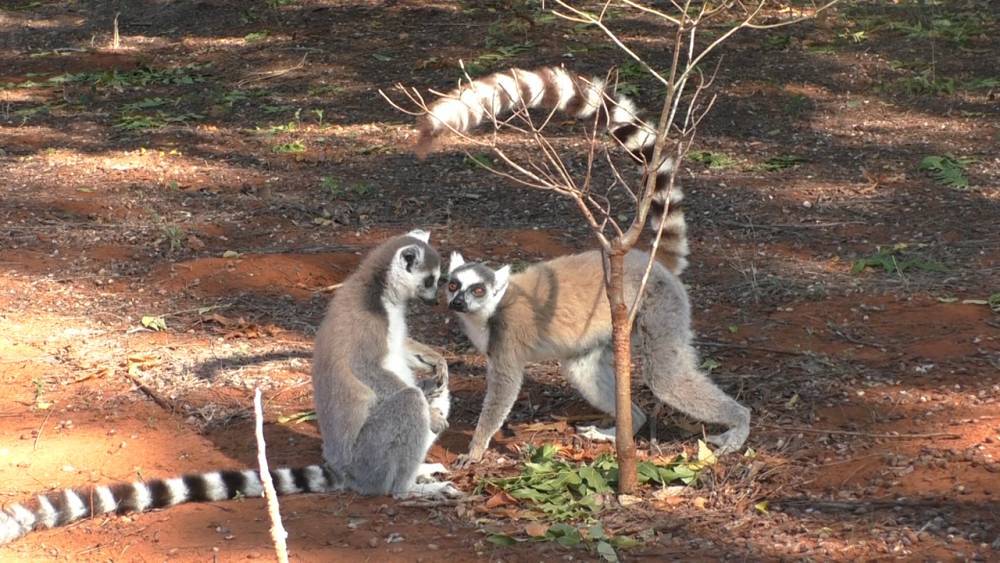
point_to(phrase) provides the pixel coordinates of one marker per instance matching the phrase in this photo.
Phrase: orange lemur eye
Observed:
(479, 291)
(453, 286)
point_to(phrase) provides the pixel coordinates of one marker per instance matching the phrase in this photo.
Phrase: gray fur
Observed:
(376, 422)
(558, 310)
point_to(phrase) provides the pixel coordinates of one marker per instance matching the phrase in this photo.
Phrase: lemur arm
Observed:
(503, 383)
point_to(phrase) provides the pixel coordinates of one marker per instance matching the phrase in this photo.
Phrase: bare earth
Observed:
(228, 196)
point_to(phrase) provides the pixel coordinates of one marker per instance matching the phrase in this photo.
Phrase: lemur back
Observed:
(555, 88)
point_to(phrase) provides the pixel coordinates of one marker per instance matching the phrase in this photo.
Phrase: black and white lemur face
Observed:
(415, 270)
(474, 288)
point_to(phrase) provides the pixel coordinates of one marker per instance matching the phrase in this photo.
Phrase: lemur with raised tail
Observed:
(558, 310)
(376, 419)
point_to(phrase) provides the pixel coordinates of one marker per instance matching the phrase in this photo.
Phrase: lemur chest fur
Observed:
(478, 331)
(395, 357)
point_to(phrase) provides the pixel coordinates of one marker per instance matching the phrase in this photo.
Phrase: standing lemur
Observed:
(558, 310)
(376, 420)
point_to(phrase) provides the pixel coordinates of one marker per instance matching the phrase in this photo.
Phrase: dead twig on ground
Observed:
(714, 344)
(886, 435)
(164, 404)
(34, 445)
(269, 74)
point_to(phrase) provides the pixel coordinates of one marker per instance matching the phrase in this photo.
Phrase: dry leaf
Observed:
(536, 529)
(500, 499)
(700, 502)
(557, 426)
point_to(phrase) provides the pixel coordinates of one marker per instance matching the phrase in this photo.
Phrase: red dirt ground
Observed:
(876, 396)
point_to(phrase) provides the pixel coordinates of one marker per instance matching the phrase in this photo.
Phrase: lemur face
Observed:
(474, 288)
(416, 269)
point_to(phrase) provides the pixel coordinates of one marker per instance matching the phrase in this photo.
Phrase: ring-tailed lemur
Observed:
(377, 425)
(376, 420)
(499, 94)
(559, 310)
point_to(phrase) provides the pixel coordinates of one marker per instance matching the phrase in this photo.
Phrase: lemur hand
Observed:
(438, 422)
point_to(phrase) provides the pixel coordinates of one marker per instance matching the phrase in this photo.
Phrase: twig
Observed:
(278, 533)
(164, 404)
(267, 75)
(778, 227)
(34, 445)
(949, 435)
(713, 344)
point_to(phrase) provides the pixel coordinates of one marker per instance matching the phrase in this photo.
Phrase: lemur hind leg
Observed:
(593, 375)
(670, 364)
(391, 445)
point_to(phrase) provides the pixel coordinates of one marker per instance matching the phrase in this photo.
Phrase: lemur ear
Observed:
(455, 261)
(501, 276)
(420, 235)
(409, 255)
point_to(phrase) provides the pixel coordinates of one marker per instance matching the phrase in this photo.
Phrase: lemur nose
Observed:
(458, 304)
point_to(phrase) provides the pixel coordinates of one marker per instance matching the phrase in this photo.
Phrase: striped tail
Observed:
(554, 88)
(69, 505)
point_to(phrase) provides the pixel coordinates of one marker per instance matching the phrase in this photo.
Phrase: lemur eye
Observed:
(479, 291)
(429, 282)
(453, 286)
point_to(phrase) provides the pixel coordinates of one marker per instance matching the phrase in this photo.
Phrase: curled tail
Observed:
(64, 507)
(555, 88)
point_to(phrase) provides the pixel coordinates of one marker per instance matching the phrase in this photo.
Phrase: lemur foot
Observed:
(427, 471)
(596, 434)
(441, 489)
(729, 441)
(465, 461)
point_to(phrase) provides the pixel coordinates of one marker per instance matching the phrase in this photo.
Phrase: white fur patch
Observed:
(624, 111)
(441, 489)
(24, 517)
(420, 235)
(508, 85)
(395, 358)
(252, 487)
(455, 261)
(594, 98)
(468, 277)
(215, 487)
(565, 88)
(535, 85)
(143, 498)
(315, 478)
(285, 483)
(596, 434)
(177, 489)
(476, 330)
(665, 167)
(46, 512)
(75, 508)
(105, 500)
(449, 113)
(641, 138)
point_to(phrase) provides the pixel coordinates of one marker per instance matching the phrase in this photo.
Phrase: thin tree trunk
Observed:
(621, 338)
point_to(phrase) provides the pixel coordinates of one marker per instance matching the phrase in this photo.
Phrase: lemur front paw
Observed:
(438, 422)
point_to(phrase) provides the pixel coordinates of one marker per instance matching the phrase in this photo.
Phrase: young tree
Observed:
(685, 104)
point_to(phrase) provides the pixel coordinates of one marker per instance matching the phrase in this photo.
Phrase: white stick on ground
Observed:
(278, 533)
